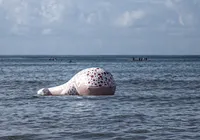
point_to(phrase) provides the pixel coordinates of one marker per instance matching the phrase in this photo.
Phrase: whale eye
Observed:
(46, 91)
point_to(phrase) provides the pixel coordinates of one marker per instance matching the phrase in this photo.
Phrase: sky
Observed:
(99, 27)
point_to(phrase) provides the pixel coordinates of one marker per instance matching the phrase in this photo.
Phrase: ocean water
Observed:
(158, 99)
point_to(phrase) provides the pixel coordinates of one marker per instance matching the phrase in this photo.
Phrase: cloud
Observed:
(57, 13)
(128, 19)
(97, 13)
(51, 11)
(169, 4)
(16, 11)
(186, 11)
(90, 18)
(89, 23)
(47, 31)
(27, 14)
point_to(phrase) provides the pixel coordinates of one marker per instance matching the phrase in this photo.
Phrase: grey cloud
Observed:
(114, 26)
(187, 11)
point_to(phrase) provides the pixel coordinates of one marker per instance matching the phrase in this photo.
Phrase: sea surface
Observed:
(158, 99)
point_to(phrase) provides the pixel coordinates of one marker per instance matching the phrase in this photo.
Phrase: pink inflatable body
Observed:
(91, 81)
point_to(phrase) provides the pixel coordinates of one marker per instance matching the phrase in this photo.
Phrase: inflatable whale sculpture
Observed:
(91, 81)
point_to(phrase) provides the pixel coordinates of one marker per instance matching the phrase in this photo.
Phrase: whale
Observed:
(93, 81)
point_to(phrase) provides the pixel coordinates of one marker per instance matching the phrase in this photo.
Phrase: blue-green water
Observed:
(155, 99)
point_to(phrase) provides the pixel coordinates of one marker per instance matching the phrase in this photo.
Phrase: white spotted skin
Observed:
(89, 81)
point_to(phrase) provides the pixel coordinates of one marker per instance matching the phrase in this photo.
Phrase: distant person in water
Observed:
(91, 81)
(139, 59)
(52, 59)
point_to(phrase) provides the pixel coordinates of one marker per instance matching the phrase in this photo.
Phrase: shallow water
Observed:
(155, 99)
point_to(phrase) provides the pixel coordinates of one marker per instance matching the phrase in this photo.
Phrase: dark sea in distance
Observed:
(158, 99)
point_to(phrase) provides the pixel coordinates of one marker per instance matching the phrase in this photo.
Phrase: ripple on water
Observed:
(158, 99)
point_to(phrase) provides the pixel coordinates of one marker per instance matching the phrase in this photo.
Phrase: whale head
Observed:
(43, 92)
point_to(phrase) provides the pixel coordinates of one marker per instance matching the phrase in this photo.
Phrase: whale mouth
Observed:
(44, 92)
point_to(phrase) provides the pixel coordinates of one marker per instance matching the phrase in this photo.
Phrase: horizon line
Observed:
(99, 54)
